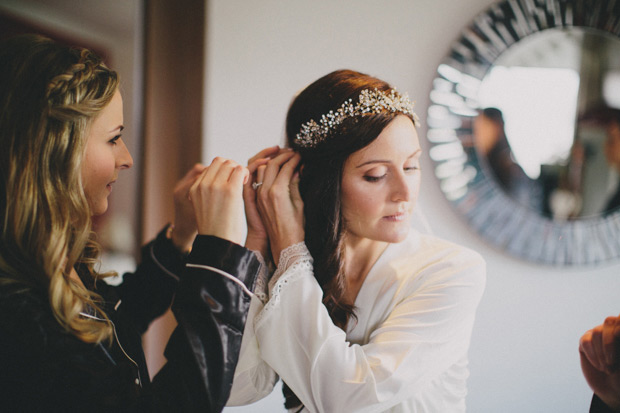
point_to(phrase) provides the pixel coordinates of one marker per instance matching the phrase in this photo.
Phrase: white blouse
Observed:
(407, 352)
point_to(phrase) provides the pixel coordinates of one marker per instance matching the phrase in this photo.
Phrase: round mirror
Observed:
(524, 125)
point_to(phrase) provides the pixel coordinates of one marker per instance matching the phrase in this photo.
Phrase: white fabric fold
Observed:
(407, 352)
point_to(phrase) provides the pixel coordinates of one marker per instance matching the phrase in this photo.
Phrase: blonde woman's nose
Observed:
(124, 160)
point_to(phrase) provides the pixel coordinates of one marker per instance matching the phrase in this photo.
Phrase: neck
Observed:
(360, 256)
(73, 275)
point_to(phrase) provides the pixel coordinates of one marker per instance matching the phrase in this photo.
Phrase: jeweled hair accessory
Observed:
(370, 101)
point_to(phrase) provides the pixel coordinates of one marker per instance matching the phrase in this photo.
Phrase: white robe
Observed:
(407, 352)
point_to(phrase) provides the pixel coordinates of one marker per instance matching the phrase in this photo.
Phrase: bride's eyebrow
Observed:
(373, 162)
(383, 161)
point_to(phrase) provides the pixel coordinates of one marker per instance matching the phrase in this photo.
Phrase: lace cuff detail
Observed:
(260, 284)
(300, 267)
(289, 256)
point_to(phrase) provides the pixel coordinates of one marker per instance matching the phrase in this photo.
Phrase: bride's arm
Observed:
(254, 379)
(427, 332)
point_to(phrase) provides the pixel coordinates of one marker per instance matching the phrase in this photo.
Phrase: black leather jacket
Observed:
(44, 368)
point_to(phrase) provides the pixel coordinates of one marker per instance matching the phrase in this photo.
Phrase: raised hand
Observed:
(599, 350)
(256, 239)
(217, 199)
(279, 202)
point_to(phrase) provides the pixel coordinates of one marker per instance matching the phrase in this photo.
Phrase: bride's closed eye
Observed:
(371, 178)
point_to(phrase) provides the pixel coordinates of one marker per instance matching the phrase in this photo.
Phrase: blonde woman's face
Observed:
(106, 154)
(381, 182)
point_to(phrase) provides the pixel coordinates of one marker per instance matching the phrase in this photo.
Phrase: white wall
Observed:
(115, 27)
(259, 53)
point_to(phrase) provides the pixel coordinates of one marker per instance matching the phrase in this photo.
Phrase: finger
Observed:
(239, 176)
(260, 173)
(273, 168)
(285, 176)
(194, 171)
(586, 348)
(259, 178)
(222, 177)
(189, 178)
(253, 166)
(196, 184)
(295, 194)
(265, 153)
(212, 171)
(597, 347)
(191, 174)
(610, 338)
(249, 194)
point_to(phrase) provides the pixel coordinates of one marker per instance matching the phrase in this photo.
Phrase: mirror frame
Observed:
(516, 229)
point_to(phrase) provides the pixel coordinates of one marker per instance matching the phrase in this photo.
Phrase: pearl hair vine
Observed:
(370, 102)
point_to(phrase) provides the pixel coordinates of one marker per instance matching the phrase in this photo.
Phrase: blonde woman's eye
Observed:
(114, 139)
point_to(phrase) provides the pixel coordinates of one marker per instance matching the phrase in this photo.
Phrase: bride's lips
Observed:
(399, 216)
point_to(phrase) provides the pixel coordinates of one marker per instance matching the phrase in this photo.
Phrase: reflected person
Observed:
(492, 144)
(612, 155)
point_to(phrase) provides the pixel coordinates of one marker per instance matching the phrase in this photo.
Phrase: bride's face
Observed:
(381, 182)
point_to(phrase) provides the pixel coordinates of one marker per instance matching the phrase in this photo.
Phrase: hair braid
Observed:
(74, 93)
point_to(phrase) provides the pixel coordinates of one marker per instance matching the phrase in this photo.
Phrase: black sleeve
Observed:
(598, 406)
(211, 310)
(45, 368)
(147, 293)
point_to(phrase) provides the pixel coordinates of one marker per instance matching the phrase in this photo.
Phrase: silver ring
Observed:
(255, 185)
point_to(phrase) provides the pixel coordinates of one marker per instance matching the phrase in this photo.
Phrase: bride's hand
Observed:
(217, 199)
(256, 239)
(279, 202)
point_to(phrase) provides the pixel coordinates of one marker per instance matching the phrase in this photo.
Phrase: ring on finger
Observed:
(256, 185)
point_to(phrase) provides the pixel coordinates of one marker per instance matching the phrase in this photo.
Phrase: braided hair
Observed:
(49, 95)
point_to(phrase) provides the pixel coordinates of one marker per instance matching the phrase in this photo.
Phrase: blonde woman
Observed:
(68, 340)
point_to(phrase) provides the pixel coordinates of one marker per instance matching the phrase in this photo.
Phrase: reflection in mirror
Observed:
(523, 127)
(548, 103)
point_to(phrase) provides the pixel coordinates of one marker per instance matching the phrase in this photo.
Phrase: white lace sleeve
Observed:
(289, 256)
(260, 284)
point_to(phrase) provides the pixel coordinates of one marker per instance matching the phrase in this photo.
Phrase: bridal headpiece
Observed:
(370, 101)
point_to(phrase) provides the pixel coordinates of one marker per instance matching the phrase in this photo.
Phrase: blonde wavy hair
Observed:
(49, 95)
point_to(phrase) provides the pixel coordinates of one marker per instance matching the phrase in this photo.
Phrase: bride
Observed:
(362, 313)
